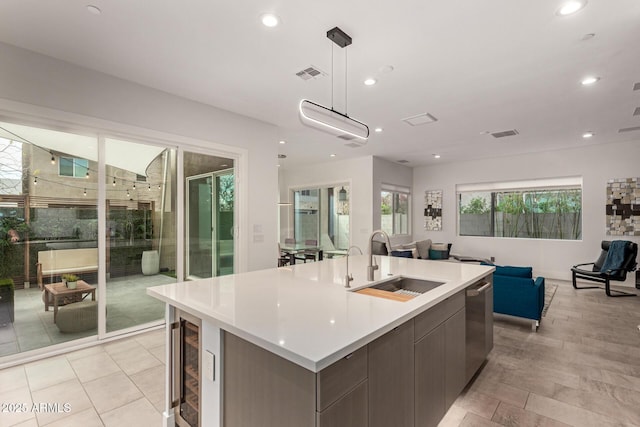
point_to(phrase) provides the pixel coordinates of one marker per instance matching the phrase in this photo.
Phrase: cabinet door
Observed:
(430, 378)
(455, 357)
(348, 411)
(391, 378)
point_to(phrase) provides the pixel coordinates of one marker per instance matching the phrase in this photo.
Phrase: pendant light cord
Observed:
(346, 110)
(332, 72)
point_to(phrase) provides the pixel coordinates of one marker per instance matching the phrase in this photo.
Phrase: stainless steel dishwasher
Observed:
(479, 322)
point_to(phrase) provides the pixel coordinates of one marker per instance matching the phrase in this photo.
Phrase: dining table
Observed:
(293, 249)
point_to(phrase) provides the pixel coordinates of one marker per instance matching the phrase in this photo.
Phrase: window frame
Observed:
(395, 192)
(74, 167)
(528, 190)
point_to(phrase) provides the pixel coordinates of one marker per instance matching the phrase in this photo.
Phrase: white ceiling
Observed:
(477, 66)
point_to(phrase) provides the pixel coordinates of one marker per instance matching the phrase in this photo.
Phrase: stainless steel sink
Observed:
(400, 288)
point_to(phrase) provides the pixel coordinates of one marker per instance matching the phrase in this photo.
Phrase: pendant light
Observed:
(342, 195)
(328, 119)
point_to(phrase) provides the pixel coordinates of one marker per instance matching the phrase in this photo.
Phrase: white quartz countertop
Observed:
(305, 314)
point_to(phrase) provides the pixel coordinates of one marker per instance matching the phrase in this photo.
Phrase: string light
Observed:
(114, 181)
(149, 187)
(53, 159)
(159, 187)
(128, 195)
(35, 180)
(134, 185)
(85, 192)
(87, 175)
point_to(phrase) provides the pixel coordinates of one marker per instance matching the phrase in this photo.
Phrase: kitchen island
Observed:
(291, 346)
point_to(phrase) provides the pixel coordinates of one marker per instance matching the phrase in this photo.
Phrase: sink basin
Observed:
(400, 288)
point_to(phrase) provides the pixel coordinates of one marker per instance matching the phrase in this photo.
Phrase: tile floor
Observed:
(582, 368)
(120, 383)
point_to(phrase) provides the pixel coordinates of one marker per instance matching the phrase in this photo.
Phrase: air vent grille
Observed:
(637, 112)
(310, 73)
(351, 144)
(403, 161)
(632, 129)
(505, 133)
(420, 119)
(636, 86)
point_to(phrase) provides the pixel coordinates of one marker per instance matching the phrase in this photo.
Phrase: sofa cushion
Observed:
(423, 248)
(402, 254)
(438, 254)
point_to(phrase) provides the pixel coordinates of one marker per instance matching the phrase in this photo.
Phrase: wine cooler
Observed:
(186, 389)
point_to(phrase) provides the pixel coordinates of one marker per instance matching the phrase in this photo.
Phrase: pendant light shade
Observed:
(342, 195)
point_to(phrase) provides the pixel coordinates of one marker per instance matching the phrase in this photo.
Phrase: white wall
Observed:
(357, 173)
(549, 258)
(386, 172)
(92, 99)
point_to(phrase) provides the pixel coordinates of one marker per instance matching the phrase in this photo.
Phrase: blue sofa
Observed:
(516, 293)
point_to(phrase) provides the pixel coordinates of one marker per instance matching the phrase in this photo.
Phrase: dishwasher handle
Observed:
(477, 291)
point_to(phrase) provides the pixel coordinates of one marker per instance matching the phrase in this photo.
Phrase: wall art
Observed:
(623, 207)
(433, 210)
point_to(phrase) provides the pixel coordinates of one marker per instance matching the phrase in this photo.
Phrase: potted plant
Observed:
(12, 231)
(70, 280)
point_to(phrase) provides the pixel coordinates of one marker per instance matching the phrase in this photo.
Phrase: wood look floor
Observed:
(582, 367)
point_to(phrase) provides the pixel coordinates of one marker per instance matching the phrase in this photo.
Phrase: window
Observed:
(77, 168)
(322, 214)
(545, 209)
(394, 210)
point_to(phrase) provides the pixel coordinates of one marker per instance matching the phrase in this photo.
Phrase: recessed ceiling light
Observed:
(332, 155)
(283, 142)
(589, 80)
(378, 130)
(436, 156)
(370, 81)
(94, 10)
(587, 135)
(571, 7)
(270, 20)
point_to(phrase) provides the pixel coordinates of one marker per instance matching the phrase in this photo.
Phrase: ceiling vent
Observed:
(311, 72)
(403, 161)
(352, 144)
(505, 133)
(632, 129)
(420, 119)
(636, 86)
(637, 112)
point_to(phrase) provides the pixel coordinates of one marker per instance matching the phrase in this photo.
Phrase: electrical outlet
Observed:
(209, 366)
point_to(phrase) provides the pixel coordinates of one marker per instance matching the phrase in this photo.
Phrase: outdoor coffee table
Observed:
(58, 291)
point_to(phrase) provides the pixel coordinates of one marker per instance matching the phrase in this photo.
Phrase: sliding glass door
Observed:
(322, 214)
(209, 225)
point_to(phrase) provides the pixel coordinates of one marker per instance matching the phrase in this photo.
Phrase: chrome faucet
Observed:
(371, 268)
(349, 277)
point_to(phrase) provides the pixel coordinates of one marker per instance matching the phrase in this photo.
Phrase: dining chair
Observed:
(310, 254)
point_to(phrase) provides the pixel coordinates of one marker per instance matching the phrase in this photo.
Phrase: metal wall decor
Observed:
(433, 210)
(623, 207)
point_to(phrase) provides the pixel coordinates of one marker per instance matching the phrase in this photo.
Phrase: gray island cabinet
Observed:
(285, 351)
(409, 376)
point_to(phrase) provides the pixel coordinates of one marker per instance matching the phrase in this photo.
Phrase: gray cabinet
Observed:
(430, 378)
(440, 360)
(348, 411)
(391, 378)
(342, 393)
(455, 360)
